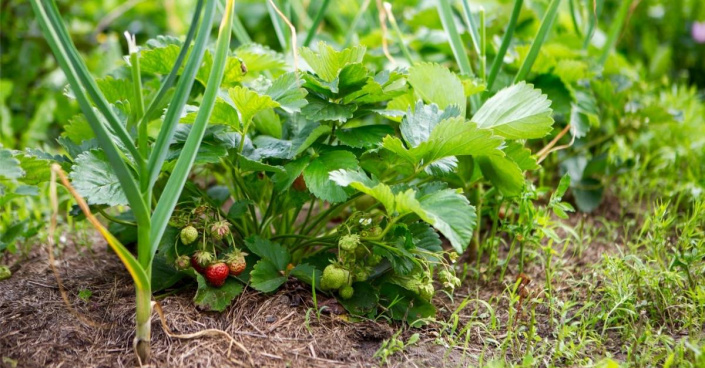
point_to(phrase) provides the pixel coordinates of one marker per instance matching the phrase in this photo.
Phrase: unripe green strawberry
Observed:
(334, 277)
(375, 230)
(361, 252)
(182, 263)
(236, 262)
(220, 229)
(346, 292)
(374, 259)
(217, 273)
(188, 235)
(5, 273)
(200, 260)
(426, 290)
(349, 242)
(361, 274)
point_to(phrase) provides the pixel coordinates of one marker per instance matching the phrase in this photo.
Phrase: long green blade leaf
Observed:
(541, 35)
(279, 26)
(153, 106)
(615, 29)
(472, 26)
(87, 81)
(456, 44)
(127, 180)
(183, 89)
(178, 177)
(316, 21)
(506, 40)
(239, 30)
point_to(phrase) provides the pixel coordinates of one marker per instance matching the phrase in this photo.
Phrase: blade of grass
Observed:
(316, 22)
(178, 101)
(153, 107)
(456, 43)
(504, 46)
(472, 27)
(125, 176)
(278, 27)
(172, 191)
(483, 45)
(614, 31)
(88, 84)
(574, 13)
(592, 23)
(541, 36)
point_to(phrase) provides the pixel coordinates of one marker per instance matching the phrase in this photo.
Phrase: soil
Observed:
(279, 330)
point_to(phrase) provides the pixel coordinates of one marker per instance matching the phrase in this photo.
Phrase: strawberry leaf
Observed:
(504, 174)
(328, 62)
(402, 304)
(417, 125)
(306, 273)
(516, 112)
(319, 109)
(9, 166)
(317, 174)
(369, 136)
(216, 299)
(266, 277)
(364, 301)
(248, 103)
(437, 84)
(267, 250)
(451, 137)
(285, 90)
(521, 155)
(95, 180)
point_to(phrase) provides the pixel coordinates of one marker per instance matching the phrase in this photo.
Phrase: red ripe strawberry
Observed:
(217, 273)
(236, 262)
(300, 184)
(200, 260)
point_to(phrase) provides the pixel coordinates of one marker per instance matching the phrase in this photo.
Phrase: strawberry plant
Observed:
(348, 175)
(342, 176)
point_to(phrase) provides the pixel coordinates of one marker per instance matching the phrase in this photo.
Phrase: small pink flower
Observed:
(698, 32)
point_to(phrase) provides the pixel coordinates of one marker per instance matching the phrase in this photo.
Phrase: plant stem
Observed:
(316, 22)
(541, 36)
(506, 40)
(114, 219)
(142, 343)
(474, 247)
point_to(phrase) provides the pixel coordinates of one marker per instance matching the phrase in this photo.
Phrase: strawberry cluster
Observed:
(216, 257)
